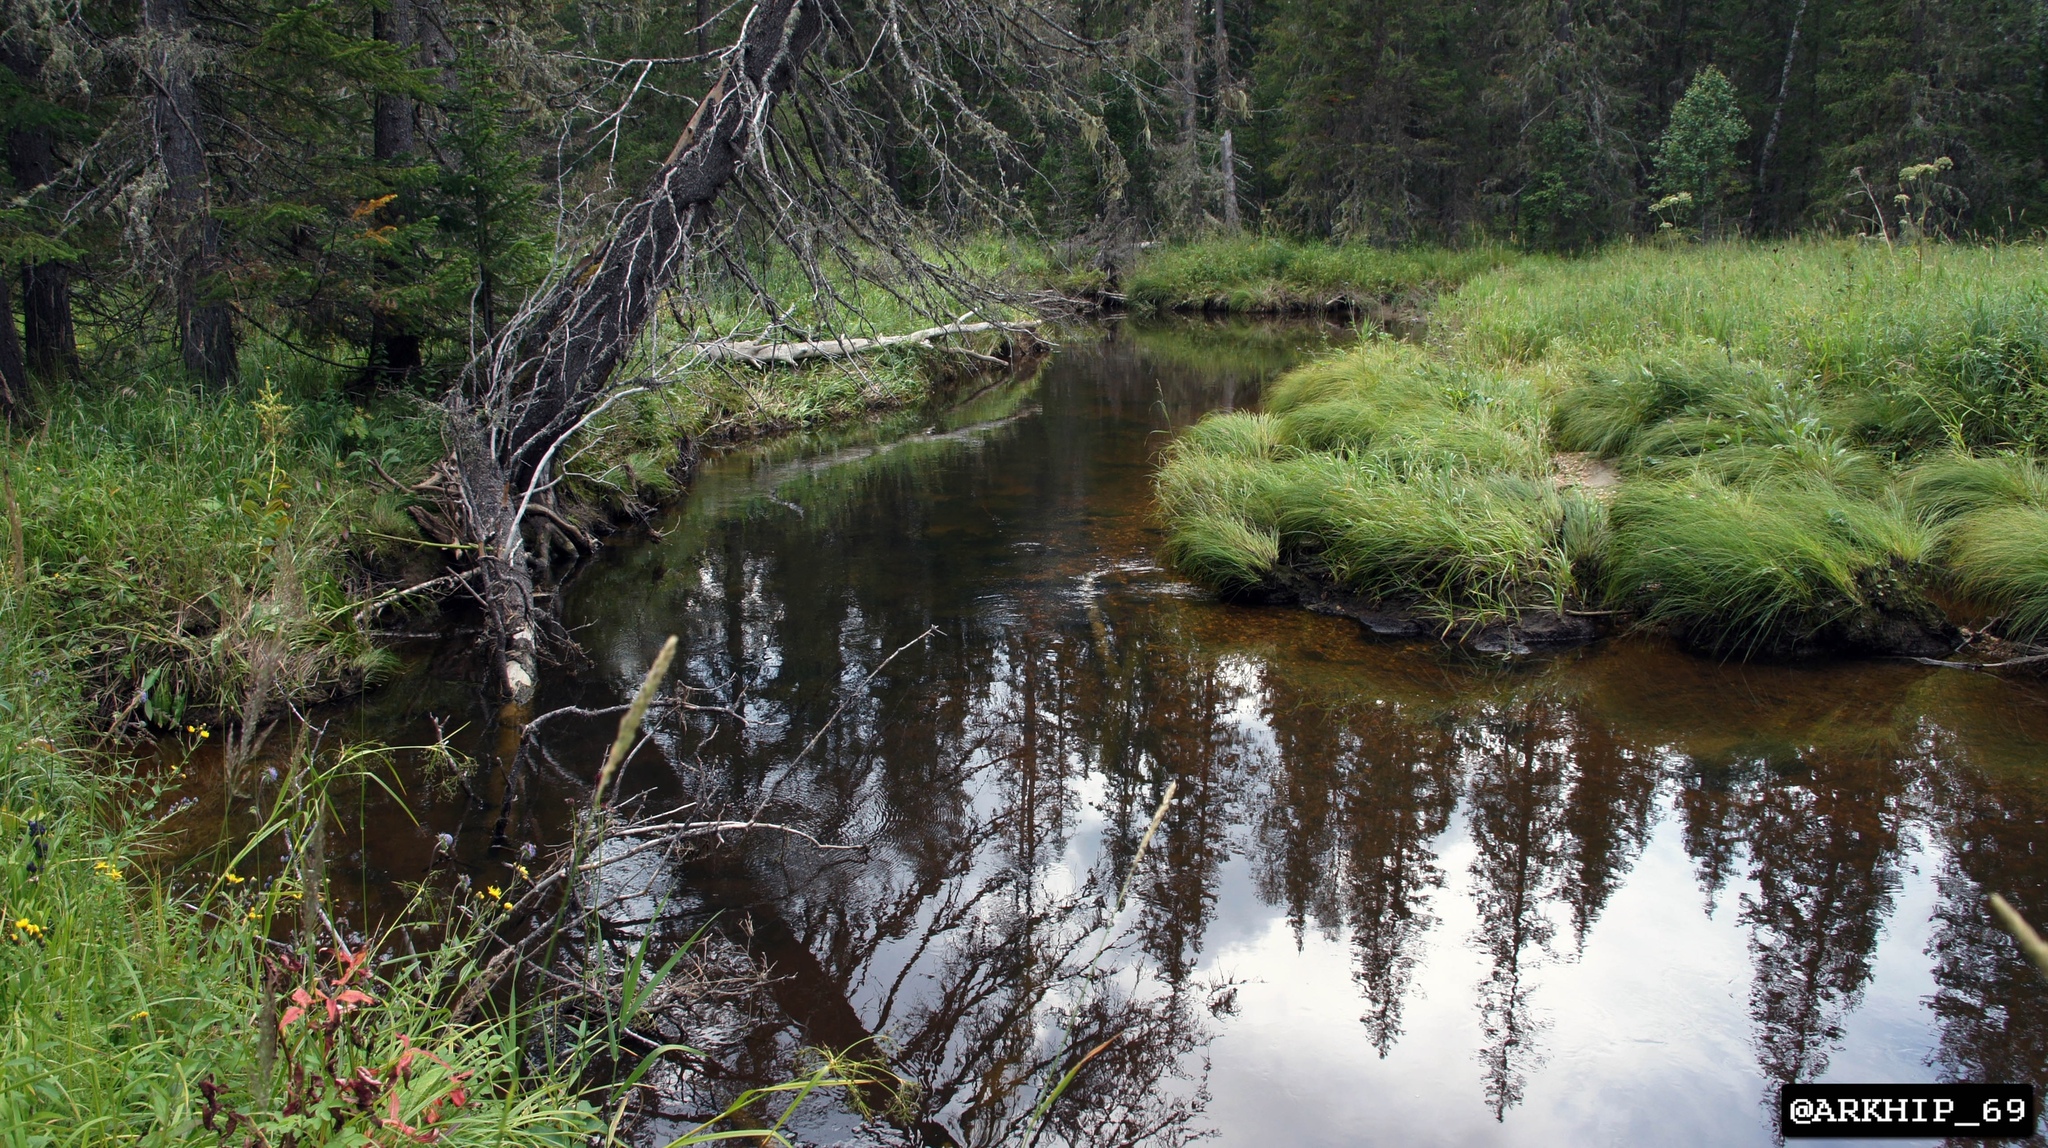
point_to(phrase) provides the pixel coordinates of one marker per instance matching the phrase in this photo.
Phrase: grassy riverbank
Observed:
(191, 563)
(1264, 275)
(1808, 445)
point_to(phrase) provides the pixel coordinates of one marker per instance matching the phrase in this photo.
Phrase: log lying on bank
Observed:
(789, 354)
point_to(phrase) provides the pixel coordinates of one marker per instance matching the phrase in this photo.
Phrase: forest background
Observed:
(374, 181)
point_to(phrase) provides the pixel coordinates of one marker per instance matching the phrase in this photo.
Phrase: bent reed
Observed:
(1806, 447)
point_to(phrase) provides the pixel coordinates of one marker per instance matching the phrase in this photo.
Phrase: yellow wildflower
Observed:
(521, 870)
(494, 892)
(508, 906)
(233, 878)
(142, 1014)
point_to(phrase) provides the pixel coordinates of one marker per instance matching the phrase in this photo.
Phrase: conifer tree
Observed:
(1696, 156)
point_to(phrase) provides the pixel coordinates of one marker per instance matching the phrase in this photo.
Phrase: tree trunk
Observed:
(392, 131)
(50, 341)
(552, 365)
(1190, 47)
(1228, 163)
(1226, 109)
(1763, 158)
(206, 336)
(13, 379)
(394, 338)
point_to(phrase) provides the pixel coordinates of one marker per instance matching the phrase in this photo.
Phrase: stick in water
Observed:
(2030, 941)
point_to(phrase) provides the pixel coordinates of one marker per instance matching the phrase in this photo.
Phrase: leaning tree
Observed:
(792, 141)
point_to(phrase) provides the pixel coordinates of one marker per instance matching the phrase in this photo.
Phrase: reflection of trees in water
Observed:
(1520, 766)
(1992, 1004)
(1824, 843)
(1358, 792)
(1823, 830)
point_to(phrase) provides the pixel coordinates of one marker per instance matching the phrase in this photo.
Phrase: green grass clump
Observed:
(1992, 513)
(1223, 551)
(1455, 544)
(1998, 556)
(1740, 570)
(1252, 274)
(1401, 479)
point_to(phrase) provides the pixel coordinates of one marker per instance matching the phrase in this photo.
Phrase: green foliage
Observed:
(1998, 557)
(1558, 208)
(1696, 155)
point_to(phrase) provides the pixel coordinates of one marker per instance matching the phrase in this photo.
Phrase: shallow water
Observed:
(1402, 895)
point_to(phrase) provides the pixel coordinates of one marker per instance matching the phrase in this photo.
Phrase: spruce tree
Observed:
(1696, 155)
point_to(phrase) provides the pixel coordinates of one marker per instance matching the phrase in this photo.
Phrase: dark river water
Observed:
(1402, 895)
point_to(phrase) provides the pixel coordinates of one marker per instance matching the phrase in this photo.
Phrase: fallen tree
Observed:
(764, 354)
(550, 371)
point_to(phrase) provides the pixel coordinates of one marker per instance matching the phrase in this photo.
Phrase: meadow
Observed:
(1813, 446)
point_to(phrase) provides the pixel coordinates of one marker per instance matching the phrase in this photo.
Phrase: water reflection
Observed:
(1402, 896)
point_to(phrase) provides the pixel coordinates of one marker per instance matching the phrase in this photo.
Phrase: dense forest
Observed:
(377, 182)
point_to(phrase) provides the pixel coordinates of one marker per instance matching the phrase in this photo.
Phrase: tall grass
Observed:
(1741, 570)
(1943, 344)
(1253, 274)
(1398, 478)
(1804, 434)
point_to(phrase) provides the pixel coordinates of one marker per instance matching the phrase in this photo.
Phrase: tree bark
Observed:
(1190, 48)
(13, 379)
(394, 350)
(1226, 161)
(1763, 159)
(206, 336)
(551, 367)
(49, 339)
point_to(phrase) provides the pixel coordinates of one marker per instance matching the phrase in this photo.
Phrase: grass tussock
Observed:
(1762, 567)
(1400, 480)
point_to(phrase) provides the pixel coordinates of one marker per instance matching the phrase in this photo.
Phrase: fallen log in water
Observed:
(767, 354)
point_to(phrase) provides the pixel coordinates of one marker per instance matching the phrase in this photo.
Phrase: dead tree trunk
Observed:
(206, 336)
(550, 370)
(1763, 158)
(1226, 110)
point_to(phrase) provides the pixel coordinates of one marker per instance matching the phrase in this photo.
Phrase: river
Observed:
(1402, 895)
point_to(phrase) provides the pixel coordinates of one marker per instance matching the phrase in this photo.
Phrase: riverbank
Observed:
(184, 566)
(1263, 275)
(1801, 448)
